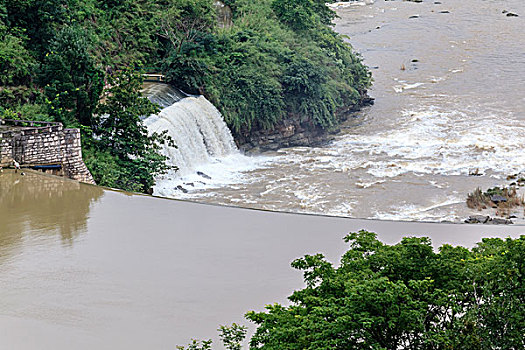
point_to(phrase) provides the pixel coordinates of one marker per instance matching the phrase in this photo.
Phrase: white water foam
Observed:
(344, 4)
(401, 88)
(206, 155)
(425, 142)
(437, 142)
(439, 211)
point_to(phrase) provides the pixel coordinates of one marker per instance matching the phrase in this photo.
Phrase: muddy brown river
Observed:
(87, 268)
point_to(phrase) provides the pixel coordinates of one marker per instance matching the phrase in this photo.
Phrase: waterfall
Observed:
(200, 133)
(206, 154)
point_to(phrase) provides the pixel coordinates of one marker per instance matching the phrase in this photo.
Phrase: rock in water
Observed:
(180, 188)
(474, 172)
(497, 221)
(483, 219)
(498, 199)
(477, 219)
(200, 173)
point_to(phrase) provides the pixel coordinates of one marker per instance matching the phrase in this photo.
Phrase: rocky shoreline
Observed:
(499, 206)
(293, 132)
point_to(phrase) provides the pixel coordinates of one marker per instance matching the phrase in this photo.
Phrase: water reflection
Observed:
(35, 206)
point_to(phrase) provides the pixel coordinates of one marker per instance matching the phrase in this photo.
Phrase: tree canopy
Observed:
(403, 296)
(125, 155)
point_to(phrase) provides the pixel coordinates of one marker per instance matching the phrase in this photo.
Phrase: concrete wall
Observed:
(44, 145)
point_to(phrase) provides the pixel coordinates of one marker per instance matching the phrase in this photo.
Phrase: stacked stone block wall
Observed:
(45, 145)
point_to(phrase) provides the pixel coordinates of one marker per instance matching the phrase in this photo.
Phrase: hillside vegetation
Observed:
(274, 58)
(278, 57)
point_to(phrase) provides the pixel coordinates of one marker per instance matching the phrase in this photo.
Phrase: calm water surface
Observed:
(87, 268)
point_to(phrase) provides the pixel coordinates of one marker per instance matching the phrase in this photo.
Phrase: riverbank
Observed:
(294, 131)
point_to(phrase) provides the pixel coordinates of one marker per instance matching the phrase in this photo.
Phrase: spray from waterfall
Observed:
(206, 154)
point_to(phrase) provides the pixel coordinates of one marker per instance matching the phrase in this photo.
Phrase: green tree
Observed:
(73, 82)
(498, 278)
(183, 21)
(403, 296)
(279, 60)
(16, 63)
(303, 14)
(128, 154)
(231, 338)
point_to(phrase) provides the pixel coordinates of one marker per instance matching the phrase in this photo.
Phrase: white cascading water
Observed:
(206, 154)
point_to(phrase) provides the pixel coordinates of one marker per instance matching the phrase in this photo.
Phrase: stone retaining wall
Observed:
(42, 145)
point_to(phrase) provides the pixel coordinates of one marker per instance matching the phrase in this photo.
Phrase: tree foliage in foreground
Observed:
(403, 296)
(231, 338)
(122, 154)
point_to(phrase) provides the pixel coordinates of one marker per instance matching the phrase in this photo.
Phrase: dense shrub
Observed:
(278, 58)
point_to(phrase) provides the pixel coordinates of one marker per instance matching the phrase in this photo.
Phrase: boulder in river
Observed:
(182, 189)
(200, 173)
(485, 219)
(477, 219)
(498, 221)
